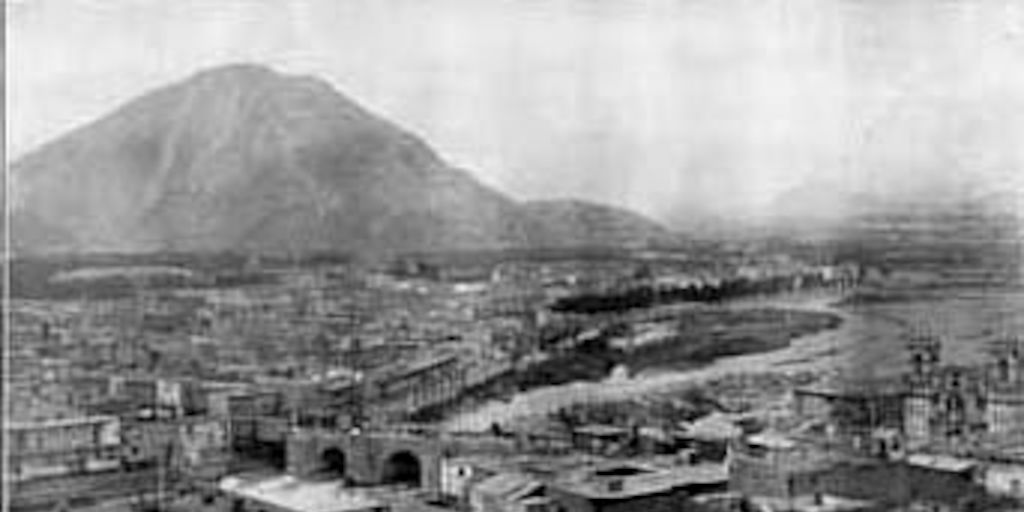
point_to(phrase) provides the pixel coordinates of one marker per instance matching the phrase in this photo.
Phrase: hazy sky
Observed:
(671, 107)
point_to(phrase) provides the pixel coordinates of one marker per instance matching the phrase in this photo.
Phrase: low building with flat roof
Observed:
(816, 503)
(65, 443)
(289, 494)
(509, 492)
(634, 486)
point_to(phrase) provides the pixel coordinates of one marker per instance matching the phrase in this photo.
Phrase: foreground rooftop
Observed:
(289, 493)
(627, 480)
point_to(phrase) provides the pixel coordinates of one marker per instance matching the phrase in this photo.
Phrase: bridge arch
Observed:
(403, 467)
(333, 462)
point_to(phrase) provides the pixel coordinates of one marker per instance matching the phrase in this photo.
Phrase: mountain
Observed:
(242, 157)
(558, 223)
(968, 226)
(964, 203)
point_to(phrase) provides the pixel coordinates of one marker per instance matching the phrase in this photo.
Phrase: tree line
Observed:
(648, 295)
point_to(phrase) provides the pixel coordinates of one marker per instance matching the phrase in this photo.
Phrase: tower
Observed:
(921, 402)
(1004, 407)
(1008, 362)
(925, 353)
(954, 403)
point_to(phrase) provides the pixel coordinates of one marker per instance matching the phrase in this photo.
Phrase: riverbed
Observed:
(868, 343)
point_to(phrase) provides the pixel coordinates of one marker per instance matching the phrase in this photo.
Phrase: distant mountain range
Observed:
(969, 210)
(245, 158)
(825, 208)
(969, 228)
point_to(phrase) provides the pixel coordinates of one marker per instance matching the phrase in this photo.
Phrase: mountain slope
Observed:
(971, 227)
(244, 158)
(560, 223)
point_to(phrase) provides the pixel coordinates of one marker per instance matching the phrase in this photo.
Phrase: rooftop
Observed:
(809, 503)
(511, 486)
(941, 462)
(31, 412)
(422, 363)
(772, 440)
(715, 426)
(643, 480)
(537, 465)
(601, 430)
(1007, 391)
(856, 388)
(289, 493)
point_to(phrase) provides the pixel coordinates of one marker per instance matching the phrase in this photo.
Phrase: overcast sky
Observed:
(671, 107)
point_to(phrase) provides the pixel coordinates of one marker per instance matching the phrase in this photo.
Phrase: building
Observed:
(408, 388)
(457, 476)
(1005, 479)
(60, 446)
(942, 403)
(509, 492)
(708, 438)
(636, 487)
(767, 464)
(941, 478)
(156, 396)
(817, 503)
(288, 494)
(602, 439)
(258, 425)
(1004, 412)
(854, 407)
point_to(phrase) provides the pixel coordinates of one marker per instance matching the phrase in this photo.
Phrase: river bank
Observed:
(705, 337)
(868, 343)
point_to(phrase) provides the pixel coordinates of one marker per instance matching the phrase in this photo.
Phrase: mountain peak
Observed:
(244, 157)
(254, 77)
(238, 71)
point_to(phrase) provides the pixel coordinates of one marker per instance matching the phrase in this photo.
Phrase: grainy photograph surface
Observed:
(513, 256)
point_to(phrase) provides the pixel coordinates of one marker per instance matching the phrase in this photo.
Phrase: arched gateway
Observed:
(333, 462)
(402, 468)
(368, 458)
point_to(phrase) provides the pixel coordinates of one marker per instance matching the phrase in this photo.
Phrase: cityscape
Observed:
(242, 290)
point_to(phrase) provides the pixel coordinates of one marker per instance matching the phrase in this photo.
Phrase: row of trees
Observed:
(645, 296)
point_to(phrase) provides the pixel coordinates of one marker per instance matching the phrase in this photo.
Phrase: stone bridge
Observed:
(367, 458)
(404, 456)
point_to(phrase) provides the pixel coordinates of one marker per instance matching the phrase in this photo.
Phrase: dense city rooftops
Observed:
(39, 414)
(27, 410)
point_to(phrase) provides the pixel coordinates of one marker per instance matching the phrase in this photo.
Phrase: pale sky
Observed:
(669, 107)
